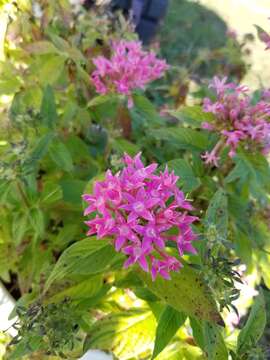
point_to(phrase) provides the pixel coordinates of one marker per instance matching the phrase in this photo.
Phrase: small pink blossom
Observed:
(210, 158)
(136, 208)
(129, 68)
(237, 119)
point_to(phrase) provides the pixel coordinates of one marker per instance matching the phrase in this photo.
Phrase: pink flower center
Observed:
(137, 252)
(150, 232)
(124, 230)
(100, 201)
(138, 206)
(168, 214)
(109, 223)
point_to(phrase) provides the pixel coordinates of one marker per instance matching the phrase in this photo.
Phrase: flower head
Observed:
(129, 68)
(137, 208)
(237, 119)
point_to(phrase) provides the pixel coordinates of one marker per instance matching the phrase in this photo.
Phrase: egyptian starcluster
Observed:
(128, 68)
(137, 209)
(237, 119)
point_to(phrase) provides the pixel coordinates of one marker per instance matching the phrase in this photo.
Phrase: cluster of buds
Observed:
(237, 119)
(142, 211)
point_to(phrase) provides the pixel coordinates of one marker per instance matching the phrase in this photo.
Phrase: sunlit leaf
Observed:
(169, 322)
(185, 292)
(126, 334)
(85, 257)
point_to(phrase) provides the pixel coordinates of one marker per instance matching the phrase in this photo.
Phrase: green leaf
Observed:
(78, 291)
(126, 335)
(192, 115)
(217, 214)
(19, 226)
(85, 257)
(51, 193)
(50, 69)
(253, 330)
(123, 145)
(184, 138)
(48, 107)
(214, 344)
(181, 350)
(61, 156)
(100, 100)
(147, 109)
(197, 332)
(20, 350)
(73, 190)
(41, 47)
(36, 219)
(185, 292)
(38, 152)
(188, 181)
(239, 172)
(170, 321)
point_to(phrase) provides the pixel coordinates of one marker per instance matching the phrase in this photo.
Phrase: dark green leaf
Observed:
(61, 156)
(188, 181)
(48, 107)
(184, 138)
(39, 151)
(73, 190)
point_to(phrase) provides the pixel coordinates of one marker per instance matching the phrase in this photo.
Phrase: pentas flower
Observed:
(141, 211)
(237, 119)
(129, 68)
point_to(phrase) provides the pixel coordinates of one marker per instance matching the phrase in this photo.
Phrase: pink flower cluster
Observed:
(237, 119)
(137, 209)
(129, 68)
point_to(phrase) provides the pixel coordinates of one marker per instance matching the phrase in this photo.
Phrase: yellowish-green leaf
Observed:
(85, 257)
(169, 322)
(181, 350)
(185, 292)
(78, 291)
(126, 335)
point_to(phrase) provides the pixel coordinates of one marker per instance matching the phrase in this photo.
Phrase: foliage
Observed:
(56, 140)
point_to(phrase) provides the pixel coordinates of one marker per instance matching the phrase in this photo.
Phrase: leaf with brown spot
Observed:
(186, 292)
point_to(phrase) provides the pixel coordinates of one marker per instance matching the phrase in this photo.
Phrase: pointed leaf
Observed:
(60, 154)
(187, 179)
(214, 344)
(48, 107)
(217, 213)
(185, 138)
(170, 321)
(253, 330)
(85, 257)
